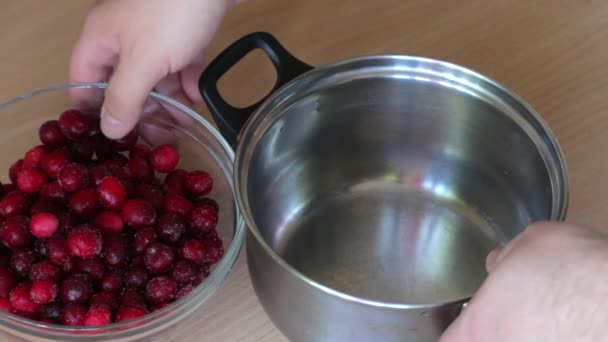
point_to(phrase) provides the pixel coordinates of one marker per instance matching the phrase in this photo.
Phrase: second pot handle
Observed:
(228, 118)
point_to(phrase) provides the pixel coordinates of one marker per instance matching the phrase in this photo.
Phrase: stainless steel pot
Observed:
(374, 188)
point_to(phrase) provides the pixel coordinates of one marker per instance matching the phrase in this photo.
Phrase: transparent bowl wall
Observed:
(201, 147)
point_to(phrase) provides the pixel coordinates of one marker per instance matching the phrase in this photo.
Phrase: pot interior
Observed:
(391, 179)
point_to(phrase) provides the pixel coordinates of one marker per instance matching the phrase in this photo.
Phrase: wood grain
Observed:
(552, 53)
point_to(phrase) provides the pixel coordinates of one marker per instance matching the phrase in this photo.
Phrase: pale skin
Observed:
(545, 285)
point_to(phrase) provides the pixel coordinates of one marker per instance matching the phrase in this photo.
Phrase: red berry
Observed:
(93, 267)
(73, 314)
(136, 277)
(31, 180)
(76, 289)
(127, 142)
(54, 161)
(20, 299)
(171, 227)
(50, 134)
(177, 204)
(175, 182)
(138, 213)
(111, 282)
(203, 218)
(164, 158)
(184, 290)
(194, 251)
(14, 170)
(115, 252)
(143, 238)
(132, 297)
(44, 270)
(7, 281)
(161, 289)
(34, 156)
(105, 298)
(73, 177)
(67, 222)
(158, 258)
(44, 225)
(21, 261)
(14, 232)
(139, 151)
(69, 266)
(52, 311)
(150, 193)
(112, 193)
(208, 201)
(85, 203)
(98, 315)
(98, 173)
(43, 291)
(140, 169)
(53, 191)
(199, 183)
(14, 203)
(109, 222)
(57, 250)
(214, 249)
(184, 272)
(84, 242)
(127, 313)
(5, 304)
(75, 125)
(44, 205)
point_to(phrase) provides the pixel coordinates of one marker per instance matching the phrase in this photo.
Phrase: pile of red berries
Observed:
(92, 235)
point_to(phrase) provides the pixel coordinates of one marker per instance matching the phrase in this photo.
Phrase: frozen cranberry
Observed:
(69, 266)
(164, 158)
(44, 225)
(143, 238)
(137, 260)
(5, 304)
(184, 272)
(150, 193)
(132, 297)
(105, 298)
(83, 150)
(57, 250)
(44, 205)
(8, 188)
(75, 125)
(85, 203)
(73, 314)
(112, 193)
(140, 169)
(184, 290)
(127, 142)
(136, 277)
(20, 299)
(194, 251)
(199, 183)
(214, 249)
(109, 222)
(53, 191)
(93, 267)
(111, 282)
(115, 252)
(67, 222)
(21, 261)
(34, 156)
(50, 134)
(177, 204)
(31, 180)
(76, 289)
(171, 227)
(84, 242)
(43, 291)
(138, 213)
(44, 270)
(73, 177)
(53, 311)
(203, 218)
(208, 201)
(98, 173)
(54, 161)
(14, 170)
(127, 313)
(158, 258)
(14, 232)
(175, 182)
(7, 281)
(14, 203)
(161, 289)
(98, 315)
(139, 151)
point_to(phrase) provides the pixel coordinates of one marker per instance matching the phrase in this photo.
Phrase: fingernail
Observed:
(491, 259)
(110, 125)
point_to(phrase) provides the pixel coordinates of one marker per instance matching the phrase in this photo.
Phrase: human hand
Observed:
(548, 284)
(140, 46)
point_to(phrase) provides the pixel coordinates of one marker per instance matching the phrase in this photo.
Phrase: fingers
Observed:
(189, 79)
(134, 77)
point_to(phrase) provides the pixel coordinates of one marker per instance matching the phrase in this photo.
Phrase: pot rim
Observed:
(556, 166)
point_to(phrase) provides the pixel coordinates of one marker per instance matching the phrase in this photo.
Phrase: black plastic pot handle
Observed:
(231, 119)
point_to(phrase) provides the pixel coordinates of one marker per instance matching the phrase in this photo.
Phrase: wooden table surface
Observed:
(554, 53)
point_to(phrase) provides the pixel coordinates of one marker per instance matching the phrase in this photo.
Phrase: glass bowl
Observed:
(201, 147)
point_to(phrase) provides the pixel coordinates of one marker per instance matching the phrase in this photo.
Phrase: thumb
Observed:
(126, 94)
